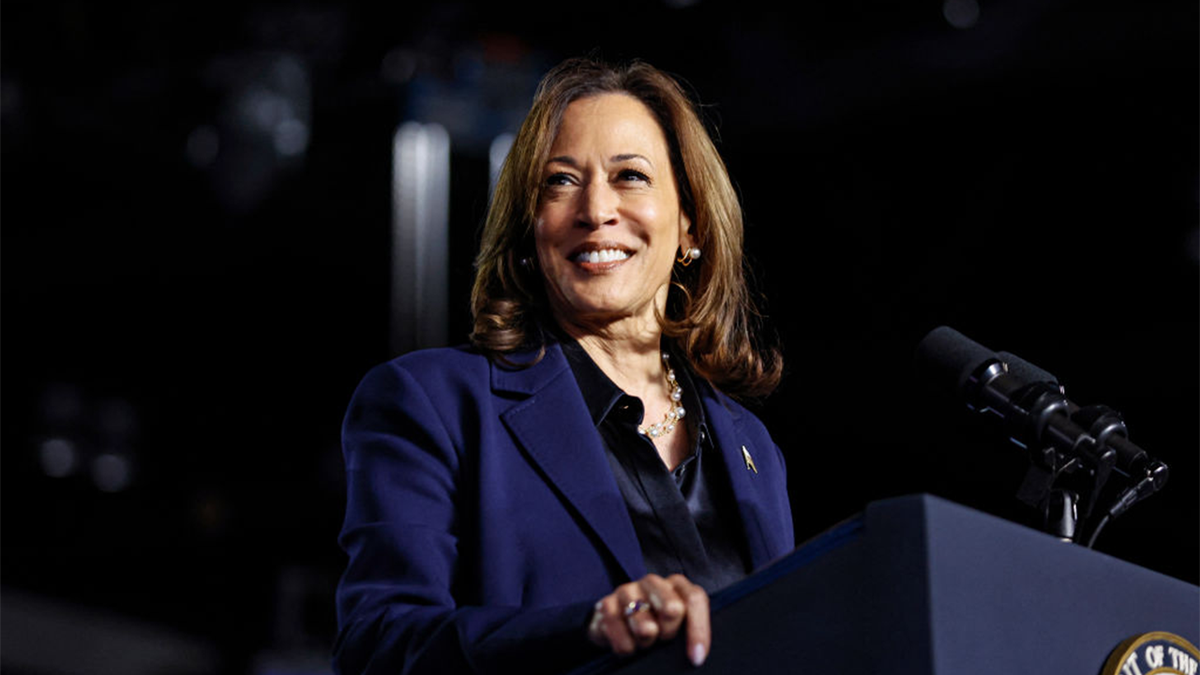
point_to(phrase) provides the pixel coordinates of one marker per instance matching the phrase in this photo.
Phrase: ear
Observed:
(686, 240)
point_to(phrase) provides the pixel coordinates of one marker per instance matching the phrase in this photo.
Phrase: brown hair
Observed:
(711, 316)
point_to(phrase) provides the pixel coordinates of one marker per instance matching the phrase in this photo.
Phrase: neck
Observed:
(630, 355)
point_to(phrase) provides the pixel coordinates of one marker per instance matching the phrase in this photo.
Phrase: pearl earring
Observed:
(688, 257)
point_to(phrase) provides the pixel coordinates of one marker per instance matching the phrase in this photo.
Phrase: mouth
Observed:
(600, 253)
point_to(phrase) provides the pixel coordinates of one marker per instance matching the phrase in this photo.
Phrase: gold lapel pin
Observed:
(749, 460)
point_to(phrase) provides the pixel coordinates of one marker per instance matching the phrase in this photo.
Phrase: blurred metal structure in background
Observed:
(497, 153)
(50, 636)
(420, 236)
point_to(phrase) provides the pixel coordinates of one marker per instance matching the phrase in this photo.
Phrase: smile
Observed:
(605, 255)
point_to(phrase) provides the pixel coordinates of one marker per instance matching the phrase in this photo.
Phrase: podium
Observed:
(924, 586)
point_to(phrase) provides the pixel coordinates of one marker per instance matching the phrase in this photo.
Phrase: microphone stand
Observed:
(1062, 488)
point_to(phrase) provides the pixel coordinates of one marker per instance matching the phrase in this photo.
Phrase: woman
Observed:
(578, 480)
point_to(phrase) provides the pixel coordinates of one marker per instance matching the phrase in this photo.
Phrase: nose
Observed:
(599, 205)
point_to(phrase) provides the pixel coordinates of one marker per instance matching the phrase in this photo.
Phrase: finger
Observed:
(614, 626)
(699, 628)
(596, 626)
(669, 607)
(638, 613)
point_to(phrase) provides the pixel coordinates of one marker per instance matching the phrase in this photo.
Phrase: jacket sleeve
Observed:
(397, 611)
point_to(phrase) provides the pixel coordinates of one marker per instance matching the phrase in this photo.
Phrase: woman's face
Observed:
(609, 221)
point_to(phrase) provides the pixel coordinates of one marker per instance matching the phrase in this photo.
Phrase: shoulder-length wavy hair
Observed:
(710, 314)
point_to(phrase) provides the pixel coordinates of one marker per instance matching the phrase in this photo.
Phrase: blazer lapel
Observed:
(553, 427)
(760, 522)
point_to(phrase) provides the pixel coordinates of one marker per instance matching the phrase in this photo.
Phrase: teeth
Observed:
(602, 256)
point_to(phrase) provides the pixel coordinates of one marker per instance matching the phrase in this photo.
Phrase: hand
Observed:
(642, 612)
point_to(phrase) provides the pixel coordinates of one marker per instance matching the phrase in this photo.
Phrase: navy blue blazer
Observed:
(483, 520)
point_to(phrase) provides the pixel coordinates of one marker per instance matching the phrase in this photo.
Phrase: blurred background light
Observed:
(961, 14)
(263, 126)
(291, 137)
(58, 457)
(112, 472)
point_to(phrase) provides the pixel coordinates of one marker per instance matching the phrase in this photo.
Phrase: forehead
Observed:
(608, 121)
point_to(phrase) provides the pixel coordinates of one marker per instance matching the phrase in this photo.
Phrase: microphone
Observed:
(1034, 405)
(1027, 398)
(1101, 422)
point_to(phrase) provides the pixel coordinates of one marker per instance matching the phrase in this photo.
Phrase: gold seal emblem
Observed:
(1152, 654)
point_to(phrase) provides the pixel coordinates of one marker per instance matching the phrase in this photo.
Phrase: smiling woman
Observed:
(578, 480)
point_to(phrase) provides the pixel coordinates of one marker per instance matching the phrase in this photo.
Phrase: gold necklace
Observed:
(667, 425)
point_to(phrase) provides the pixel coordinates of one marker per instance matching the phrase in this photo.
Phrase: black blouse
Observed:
(686, 520)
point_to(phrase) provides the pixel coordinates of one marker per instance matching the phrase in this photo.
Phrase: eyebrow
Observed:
(624, 157)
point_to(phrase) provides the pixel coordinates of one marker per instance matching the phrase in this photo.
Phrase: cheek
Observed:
(548, 249)
(667, 229)
(541, 238)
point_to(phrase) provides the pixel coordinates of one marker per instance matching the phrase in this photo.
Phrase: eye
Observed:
(558, 179)
(632, 175)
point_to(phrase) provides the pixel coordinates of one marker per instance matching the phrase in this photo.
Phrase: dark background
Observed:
(195, 212)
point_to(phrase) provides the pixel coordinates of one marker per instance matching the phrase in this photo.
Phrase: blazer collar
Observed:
(547, 426)
(760, 523)
(528, 380)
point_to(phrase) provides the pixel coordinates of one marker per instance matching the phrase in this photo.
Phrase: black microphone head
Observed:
(949, 358)
(1025, 371)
